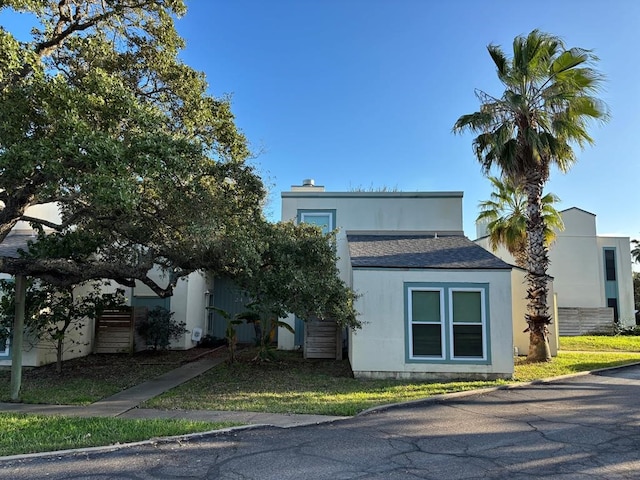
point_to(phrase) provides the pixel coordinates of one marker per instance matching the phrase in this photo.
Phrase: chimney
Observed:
(308, 185)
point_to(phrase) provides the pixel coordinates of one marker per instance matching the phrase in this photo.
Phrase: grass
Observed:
(293, 385)
(37, 433)
(289, 385)
(89, 379)
(601, 343)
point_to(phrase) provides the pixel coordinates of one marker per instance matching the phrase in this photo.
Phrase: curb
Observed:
(378, 409)
(479, 391)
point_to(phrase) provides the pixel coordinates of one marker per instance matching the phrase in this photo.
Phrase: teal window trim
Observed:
(482, 323)
(411, 322)
(446, 306)
(331, 213)
(611, 289)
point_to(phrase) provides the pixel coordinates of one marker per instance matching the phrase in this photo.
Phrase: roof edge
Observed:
(452, 194)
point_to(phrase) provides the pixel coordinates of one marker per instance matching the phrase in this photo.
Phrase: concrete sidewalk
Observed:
(124, 404)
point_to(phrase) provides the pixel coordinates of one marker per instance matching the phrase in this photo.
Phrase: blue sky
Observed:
(363, 93)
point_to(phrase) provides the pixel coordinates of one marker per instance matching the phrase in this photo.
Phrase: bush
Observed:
(629, 331)
(158, 328)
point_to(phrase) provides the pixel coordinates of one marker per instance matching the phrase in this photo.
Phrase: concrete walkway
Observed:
(124, 404)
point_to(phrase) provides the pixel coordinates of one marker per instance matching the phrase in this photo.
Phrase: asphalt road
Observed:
(585, 427)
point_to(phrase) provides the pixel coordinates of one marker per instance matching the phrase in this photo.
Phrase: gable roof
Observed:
(13, 242)
(420, 251)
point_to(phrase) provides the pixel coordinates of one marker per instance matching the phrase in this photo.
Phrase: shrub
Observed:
(159, 327)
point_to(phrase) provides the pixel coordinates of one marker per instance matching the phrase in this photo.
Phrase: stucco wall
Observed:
(379, 348)
(373, 211)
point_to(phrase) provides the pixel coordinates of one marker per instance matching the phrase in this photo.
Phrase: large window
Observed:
(446, 322)
(325, 219)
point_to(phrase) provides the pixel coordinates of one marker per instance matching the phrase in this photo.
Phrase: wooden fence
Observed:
(114, 332)
(322, 339)
(583, 321)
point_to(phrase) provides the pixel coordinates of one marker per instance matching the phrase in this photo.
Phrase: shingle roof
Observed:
(420, 251)
(9, 247)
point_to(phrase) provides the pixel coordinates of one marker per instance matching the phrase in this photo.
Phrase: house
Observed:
(433, 303)
(188, 304)
(592, 274)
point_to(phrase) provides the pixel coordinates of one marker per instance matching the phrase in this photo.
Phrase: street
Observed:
(582, 427)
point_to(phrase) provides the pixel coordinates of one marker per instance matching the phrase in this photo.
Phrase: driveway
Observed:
(584, 427)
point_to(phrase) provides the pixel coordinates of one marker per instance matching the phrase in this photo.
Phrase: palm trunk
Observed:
(537, 316)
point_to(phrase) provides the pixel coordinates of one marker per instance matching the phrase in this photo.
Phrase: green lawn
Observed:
(293, 385)
(37, 433)
(288, 385)
(601, 343)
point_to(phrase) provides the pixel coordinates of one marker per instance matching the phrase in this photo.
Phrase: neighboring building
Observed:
(433, 304)
(188, 304)
(592, 274)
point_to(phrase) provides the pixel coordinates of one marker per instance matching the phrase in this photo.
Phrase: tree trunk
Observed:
(537, 316)
(16, 340)
(59, 352)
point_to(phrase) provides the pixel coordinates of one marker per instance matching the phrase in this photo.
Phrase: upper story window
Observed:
(610, 264)
(446, 322)
(325, 219)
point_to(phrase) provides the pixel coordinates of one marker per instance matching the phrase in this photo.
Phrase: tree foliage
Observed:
(99, 115)
(544, 111)
(506, 216)
(635, 251)
(293, 269)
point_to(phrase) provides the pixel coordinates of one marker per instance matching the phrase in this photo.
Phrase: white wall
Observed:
(47, 211)
(378, 349)
(373, 211)
(188, 303)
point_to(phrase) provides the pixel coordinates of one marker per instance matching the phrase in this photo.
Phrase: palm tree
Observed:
(544, 111)
(506, 218)
(635, 251)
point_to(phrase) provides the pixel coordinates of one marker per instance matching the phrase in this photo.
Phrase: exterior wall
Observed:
(48, 211)
(189, 304)
(372, 211)
(622, 246)
(77, 344)
(379, 348)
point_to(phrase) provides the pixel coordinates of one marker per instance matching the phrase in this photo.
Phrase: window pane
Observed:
(467, 340)
(467, 307)
(427, 340)
(610, 264)
(425, 306)
(322, 220)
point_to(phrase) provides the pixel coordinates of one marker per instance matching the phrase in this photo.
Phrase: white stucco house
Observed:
(592, 274)
(433, 303)
(188, 304)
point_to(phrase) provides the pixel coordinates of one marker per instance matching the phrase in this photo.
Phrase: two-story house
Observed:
(433, 303)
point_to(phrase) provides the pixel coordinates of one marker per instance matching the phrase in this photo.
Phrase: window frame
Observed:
(442, 322)
(330, 213)
(482, 323)
(446, 307)
(6, 352)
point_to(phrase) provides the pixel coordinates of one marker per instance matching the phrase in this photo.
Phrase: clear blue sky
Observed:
(363, 93)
